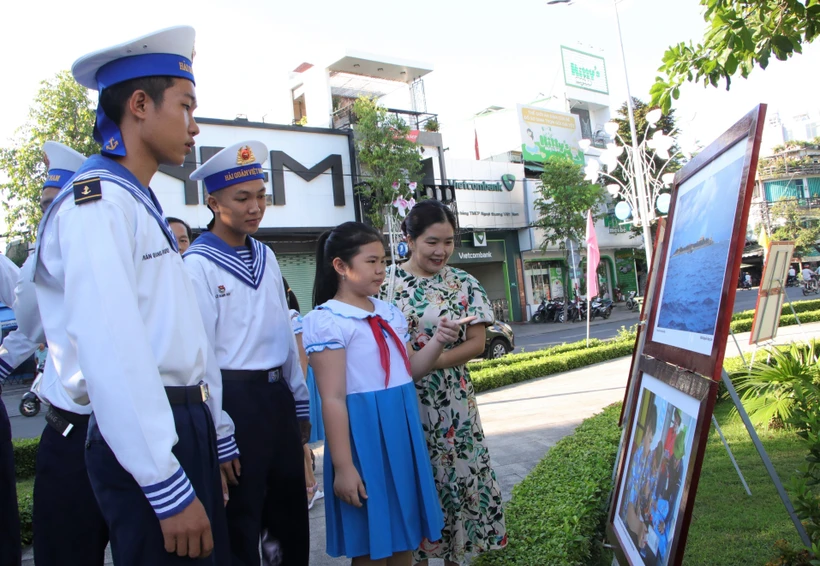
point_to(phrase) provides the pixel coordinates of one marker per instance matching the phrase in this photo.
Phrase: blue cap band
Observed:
(57, 178)
(106, 132)
(233, 176)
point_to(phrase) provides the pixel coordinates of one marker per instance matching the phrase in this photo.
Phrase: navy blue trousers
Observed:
(270, 500)
(136, 536)
(10, 553)
(69, 529)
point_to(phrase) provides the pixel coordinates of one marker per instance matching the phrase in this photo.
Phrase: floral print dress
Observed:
(467, 486)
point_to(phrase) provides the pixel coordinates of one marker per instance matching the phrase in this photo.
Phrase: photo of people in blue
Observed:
(655, 474)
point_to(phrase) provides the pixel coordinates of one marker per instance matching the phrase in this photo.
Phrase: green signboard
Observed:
(492, 252)
(584, 70)
(625, 266)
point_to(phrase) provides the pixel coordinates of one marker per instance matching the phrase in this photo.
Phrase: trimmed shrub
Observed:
(499, 376)
(800, 306)
(25, 504)
(25, 457)
(745, 324)
(558, 513)
(524, 356)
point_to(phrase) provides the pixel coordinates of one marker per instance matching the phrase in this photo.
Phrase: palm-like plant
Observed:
(768, 391)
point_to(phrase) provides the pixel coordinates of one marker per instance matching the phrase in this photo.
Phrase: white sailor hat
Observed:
(168, 52)
(63, 162)
(236, 164)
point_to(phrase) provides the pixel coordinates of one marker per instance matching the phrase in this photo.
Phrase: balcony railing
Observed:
(344, 118)
(777, 169)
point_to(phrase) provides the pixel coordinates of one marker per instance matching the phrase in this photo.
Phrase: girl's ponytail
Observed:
(326, 283)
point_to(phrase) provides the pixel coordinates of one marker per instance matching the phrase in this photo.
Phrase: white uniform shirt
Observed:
(807, 274)
(16, 347)
(336, 325)
(121, 320)
(24, 341)
(249, 328)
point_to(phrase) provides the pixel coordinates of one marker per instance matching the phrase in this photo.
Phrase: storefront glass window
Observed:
(546, 278)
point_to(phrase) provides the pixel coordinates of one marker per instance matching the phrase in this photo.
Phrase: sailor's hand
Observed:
(188, 533)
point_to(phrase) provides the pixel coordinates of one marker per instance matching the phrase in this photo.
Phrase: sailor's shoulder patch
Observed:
(87, 190)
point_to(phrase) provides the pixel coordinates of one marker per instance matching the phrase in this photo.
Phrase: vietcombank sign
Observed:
(507, 182)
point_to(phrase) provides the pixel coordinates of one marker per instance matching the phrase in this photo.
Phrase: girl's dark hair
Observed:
(425, 214)
(293, 302)
(343, 242)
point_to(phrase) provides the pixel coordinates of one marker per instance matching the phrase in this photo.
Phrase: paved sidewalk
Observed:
(523, 421)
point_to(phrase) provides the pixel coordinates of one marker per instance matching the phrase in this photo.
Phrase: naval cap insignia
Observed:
(245, 156)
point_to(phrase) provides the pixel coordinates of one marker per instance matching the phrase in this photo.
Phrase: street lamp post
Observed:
(637, 166)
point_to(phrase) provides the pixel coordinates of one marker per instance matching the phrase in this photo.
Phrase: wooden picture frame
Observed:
(657, 472)
(772, 292)
(660, 234)
(700, 260)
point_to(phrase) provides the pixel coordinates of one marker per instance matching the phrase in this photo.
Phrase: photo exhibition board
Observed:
(771, 295)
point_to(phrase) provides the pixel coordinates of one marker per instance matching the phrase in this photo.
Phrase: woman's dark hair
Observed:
(114, 98)
(293, 302)
(188, 231)
(425, 214)
(343, 242)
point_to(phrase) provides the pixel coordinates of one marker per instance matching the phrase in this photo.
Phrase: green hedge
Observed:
(525, 356)
(800, 306)
(557, 513)
(745, 324)
(25, 457)
(494, 377)
(25, 503)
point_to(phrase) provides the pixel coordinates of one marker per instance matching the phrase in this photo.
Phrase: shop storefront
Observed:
(491, 211)
(309, 180)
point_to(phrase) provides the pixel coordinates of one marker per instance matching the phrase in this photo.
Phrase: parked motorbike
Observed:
(619, 296)
(631, 303)
(541, 312)
(602, 308)
(30, 403)
(791, 281)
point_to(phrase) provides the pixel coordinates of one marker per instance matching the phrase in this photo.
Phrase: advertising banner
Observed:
(546, 133)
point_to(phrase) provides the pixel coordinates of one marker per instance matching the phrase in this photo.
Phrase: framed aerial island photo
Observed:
(700, 259)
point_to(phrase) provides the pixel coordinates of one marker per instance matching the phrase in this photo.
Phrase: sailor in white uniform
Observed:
(68, 526)
(242, 299)
(120, 317)
(9, 517)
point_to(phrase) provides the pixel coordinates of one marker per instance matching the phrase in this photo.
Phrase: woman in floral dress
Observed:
(425, 288)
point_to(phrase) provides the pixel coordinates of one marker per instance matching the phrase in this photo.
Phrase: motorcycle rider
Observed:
(808, 276)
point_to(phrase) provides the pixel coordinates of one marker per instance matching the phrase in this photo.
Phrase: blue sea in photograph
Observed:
(699, 251)
(690, 302)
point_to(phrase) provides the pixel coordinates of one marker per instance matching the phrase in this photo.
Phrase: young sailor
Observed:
(120, 317)
(9, 517)
(62, 535)
(240, 293)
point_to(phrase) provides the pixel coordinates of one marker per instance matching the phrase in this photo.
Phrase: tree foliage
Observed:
(388, 159)
(60, 112)
(563, 201)
(740, 35)
(796, 224)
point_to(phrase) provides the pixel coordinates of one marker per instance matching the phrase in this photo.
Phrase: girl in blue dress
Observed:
(383, 500)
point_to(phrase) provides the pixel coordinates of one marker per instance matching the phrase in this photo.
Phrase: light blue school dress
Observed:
(317, 427)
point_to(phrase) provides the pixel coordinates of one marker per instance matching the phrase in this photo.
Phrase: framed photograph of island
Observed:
(688, 324)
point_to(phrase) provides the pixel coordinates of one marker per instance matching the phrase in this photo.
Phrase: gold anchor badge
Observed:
(112, 144)
(245, 156)
(85, 190)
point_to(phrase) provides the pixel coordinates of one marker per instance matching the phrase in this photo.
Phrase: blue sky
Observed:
(708, 209)
(483, 52)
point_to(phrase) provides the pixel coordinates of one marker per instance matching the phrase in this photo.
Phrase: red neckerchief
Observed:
(379, 327)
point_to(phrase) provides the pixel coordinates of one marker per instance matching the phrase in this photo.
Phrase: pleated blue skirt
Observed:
(390, 453)
(317, 426)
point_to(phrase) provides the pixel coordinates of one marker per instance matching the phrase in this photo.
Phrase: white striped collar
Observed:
(212, 247)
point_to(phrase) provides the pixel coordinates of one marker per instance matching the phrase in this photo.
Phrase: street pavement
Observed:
(522, 422)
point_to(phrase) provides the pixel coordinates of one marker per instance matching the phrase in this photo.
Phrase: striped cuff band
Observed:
(171, 496)
(227, 449)
(303, 409)
(5, 369)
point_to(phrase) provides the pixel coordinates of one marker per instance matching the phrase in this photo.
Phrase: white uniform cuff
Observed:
(227, 449)
(171, 496)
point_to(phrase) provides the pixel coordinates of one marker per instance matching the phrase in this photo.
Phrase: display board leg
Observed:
(784, 497)
(731, 456)
(740, 351)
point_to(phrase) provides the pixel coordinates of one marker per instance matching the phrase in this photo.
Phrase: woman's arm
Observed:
(468, 350)
(329, 371)
(423, 361)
